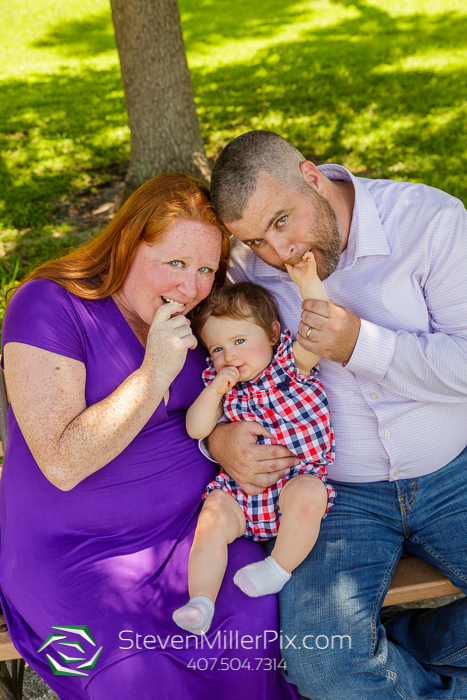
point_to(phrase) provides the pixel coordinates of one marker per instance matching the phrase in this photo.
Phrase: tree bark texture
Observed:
(165, 133)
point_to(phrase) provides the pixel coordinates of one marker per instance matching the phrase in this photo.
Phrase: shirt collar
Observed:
(366, 235)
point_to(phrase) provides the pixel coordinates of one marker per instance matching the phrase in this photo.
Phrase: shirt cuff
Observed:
(373, 351)
(202, 444)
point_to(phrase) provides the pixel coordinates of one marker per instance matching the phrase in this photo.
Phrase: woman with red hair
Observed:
(101, 484)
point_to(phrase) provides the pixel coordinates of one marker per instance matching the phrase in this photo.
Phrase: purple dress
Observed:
(106, 563)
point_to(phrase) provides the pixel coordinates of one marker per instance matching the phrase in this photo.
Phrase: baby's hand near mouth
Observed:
(224, 380)
(303, 272)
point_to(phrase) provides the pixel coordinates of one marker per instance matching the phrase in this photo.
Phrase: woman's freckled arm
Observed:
(69, 440)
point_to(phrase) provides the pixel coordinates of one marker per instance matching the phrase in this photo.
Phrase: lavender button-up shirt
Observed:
(399, 407)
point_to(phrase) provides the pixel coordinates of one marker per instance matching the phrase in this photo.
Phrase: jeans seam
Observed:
(451, 657)
(404, 507)
(415, 495)
(400, 499)
(437, 556)
(382, 588)
(403, 512)
(397, 685)
(462, 652)
(383, 670)
(386, 672)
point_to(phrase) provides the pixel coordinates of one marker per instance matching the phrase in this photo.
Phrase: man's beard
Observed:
(325, 238)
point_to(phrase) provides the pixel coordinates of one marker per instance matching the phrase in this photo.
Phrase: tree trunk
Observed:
(165, 133)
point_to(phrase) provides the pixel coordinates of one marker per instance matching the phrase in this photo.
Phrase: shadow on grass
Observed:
(365, 91)
(204, 22)
(350, 92)
(60, 126)
(80, 37)
(213, 22)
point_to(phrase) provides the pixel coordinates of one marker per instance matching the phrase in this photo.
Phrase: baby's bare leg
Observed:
(221, 521)
(303, 503)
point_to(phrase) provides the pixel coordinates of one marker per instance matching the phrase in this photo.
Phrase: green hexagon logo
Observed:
(76, 640)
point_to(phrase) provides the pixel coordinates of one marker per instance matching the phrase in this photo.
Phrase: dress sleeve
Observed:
(43, 314)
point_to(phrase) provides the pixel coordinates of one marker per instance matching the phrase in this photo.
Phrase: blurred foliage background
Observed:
(377, 85)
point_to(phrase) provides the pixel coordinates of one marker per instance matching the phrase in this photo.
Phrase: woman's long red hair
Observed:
(98, 267)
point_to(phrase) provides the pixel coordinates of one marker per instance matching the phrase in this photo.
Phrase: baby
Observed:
(257, 374)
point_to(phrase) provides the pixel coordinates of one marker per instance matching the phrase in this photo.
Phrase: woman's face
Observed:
(178, 268)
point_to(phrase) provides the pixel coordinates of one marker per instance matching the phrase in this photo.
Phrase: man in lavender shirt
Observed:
(392, 256)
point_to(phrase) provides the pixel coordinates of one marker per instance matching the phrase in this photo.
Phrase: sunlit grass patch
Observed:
(377, 85)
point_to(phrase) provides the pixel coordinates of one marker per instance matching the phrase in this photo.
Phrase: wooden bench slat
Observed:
(7, 650)
(415, 579)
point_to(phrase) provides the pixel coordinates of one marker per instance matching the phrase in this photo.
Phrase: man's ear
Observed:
(275, 332)
(313, 177)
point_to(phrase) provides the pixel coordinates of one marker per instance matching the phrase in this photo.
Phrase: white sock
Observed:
(262, 578)
(196, 615)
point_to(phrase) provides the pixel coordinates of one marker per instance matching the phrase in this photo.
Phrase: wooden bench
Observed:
(413, 580)
(11, 667)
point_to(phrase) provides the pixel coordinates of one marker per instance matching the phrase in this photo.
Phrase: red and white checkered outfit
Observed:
(294, 408)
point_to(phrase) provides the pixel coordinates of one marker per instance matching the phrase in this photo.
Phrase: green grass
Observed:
(379, 86)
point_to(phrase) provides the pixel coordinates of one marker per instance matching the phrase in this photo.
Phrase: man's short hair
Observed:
(236, 171)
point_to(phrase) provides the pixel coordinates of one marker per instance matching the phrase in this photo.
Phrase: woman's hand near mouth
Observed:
(169, 339)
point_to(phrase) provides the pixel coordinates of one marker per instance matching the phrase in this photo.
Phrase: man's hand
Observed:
(334, 330)
(253, 466)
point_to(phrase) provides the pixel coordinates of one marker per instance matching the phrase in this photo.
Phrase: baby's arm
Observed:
(304, 274)
(204, 413)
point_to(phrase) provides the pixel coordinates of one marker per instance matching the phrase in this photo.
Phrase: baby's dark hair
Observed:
(243, 300)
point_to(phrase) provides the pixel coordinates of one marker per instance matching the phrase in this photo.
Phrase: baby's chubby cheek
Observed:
(218, 365)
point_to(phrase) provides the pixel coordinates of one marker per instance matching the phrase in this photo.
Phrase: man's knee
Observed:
(327, 666)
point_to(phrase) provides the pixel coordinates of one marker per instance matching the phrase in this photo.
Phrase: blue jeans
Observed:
(333, 643)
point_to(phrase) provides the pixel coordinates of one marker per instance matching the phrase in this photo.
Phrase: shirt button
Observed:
(387, 433)
(396, 473)
(373, 396)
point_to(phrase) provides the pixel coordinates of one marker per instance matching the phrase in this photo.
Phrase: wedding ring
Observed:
(308, 332)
